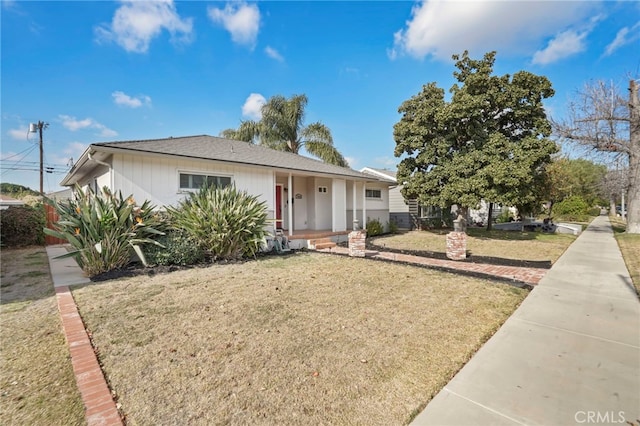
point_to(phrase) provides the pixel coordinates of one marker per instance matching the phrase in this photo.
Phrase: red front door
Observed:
(278, 206)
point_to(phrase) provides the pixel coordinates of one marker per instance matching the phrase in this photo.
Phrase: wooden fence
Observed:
(52, 217)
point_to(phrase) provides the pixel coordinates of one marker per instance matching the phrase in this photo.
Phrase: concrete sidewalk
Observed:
(65, 271)
(570, 354)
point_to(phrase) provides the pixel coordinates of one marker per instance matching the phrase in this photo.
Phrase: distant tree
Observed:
(604, 122)
(489, 141)
(613, 185)
(282, 128)
(16, 190)
(575, 178)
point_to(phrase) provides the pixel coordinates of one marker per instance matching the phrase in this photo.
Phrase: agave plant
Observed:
(104, 228)
(227, 223)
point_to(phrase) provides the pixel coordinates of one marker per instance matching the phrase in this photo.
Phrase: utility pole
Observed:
(39, 127)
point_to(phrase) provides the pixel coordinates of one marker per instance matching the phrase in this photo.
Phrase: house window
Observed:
(374, 193)
(322, 189)
(194, 181)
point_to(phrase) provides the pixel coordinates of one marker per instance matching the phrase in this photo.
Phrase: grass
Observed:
(37, 385)
(630, 247)
(534, 246)
(302, 339)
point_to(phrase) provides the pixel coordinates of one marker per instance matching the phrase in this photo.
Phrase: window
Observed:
(322, 189)
(193, 181)
(373, 193)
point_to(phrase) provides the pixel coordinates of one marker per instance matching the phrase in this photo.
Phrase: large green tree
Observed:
(282, 127)
(488, 141)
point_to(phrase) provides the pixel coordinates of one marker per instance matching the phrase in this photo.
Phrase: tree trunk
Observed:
(490, 217)
(633, 194)
(612, 205)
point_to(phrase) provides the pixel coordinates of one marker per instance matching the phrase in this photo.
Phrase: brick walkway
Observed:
(100, 409)
(526, 276)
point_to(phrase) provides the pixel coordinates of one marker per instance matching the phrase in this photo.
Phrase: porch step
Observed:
(321, 243)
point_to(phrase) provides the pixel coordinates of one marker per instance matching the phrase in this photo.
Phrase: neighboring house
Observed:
(6, 202)
(303, 196)
(409, 214)
(62, 195)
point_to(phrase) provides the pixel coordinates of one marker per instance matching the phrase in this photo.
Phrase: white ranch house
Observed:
(305, 198)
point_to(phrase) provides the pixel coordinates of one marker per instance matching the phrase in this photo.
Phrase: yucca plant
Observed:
(104, 228)
(227, 223)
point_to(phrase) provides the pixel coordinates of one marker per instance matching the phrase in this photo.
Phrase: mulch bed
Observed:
(134, 269)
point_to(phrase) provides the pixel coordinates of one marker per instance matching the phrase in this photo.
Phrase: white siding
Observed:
(376, 208)
(157, 179)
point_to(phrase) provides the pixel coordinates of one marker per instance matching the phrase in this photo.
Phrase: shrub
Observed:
(504, 217)
(374, 227)
(393, 227)
(571, 206)
(104, 229)
(224, 222)
(177, 249)
(22, 226)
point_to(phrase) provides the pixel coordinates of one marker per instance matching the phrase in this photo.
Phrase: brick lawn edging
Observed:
(100, 409)
(519, 276)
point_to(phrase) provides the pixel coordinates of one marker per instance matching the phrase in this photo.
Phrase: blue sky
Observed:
(105, 71)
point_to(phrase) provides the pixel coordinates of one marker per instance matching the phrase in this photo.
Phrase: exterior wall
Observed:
(157, 179)
(403, 220)
(396, 201)
(300, 207)
(376, 208)
(339, 203)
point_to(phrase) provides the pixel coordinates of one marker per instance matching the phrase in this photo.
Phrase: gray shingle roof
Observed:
(220, 149)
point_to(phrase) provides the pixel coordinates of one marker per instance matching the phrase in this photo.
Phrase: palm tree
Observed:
(281, 128)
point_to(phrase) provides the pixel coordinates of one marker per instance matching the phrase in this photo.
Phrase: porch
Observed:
(308, 238)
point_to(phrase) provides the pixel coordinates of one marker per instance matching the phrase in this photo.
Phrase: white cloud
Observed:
(351, 161)
(441, 28)
(73, 150)
(563, 45)
(7, 155)
(273, 53)
(121, 98)
(625, 36)
(8, 4)
(136, 23)
(252, 107)
(20, 134)
(387, 162)
(73, 124)
(242, 20)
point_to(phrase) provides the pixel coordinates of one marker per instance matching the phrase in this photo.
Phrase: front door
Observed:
(278, 206)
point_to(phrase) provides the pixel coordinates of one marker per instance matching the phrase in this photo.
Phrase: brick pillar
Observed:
(457, 245)
(357, 241)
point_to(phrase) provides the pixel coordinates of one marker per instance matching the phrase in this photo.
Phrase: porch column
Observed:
(364, 205)
(290, 203)
(355, 216)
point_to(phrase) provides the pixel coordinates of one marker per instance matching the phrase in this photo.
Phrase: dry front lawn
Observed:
(630, 247)
(534, 246)
(37, 385)
(302, 339)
